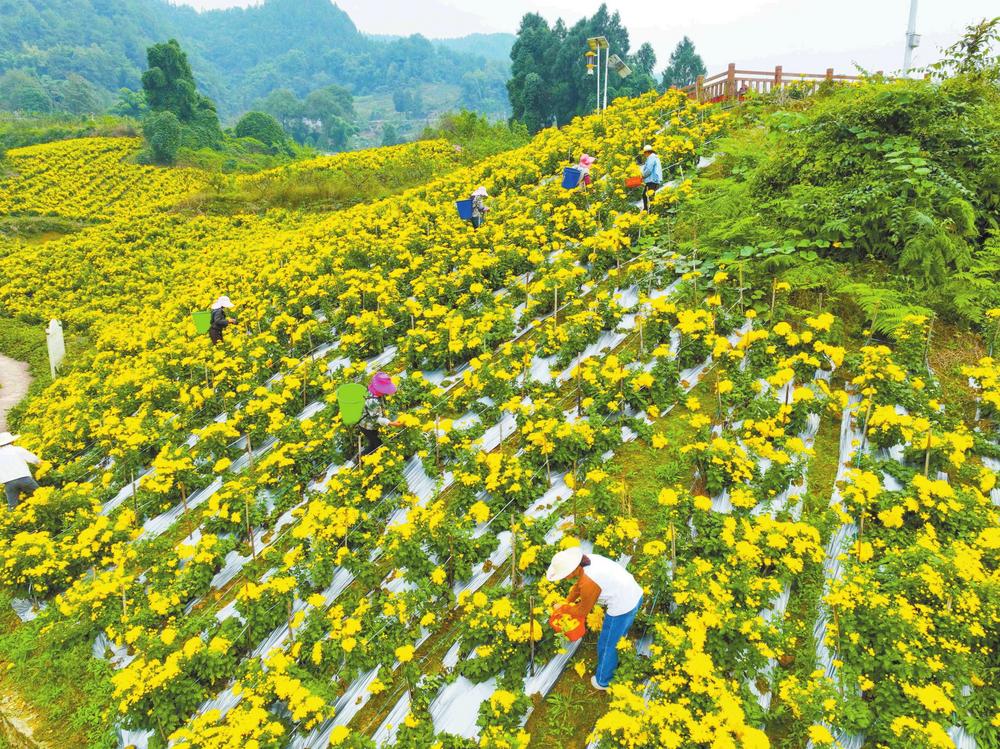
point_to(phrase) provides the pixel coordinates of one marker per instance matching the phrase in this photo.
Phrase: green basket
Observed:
(202, 320)
(351, 399)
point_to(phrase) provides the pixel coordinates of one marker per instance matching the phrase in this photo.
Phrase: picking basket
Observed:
(573, 634)
(631, 182)
(464, 209)
(202, 320)
(571, 177)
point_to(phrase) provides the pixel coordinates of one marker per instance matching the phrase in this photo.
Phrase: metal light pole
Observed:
(912, 38)
(596, 44)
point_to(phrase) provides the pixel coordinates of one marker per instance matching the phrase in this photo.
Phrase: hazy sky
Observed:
(801, 35)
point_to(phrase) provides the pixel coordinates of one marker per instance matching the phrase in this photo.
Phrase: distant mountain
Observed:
(240, 55)
(490, 46)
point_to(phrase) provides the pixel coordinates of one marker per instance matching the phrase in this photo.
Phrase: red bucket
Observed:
(573, 634)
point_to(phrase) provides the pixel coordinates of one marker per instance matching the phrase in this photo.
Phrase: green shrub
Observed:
(163, 134)
(262, 127)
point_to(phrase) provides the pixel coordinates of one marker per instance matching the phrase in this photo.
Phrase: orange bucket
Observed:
(574, 634)
(631, 182)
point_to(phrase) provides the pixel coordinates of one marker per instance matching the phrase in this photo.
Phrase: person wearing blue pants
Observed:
(599, 580)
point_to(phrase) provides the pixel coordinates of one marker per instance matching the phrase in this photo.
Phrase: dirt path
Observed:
(14, 382)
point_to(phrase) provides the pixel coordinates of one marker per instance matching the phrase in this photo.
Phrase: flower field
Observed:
(253, 584)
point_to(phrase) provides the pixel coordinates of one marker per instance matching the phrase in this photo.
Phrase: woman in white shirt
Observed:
(14, 472)
(599, 580)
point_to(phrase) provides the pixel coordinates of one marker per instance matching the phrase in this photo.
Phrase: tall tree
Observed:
(169, 87)
(549, 82)
(684, 66)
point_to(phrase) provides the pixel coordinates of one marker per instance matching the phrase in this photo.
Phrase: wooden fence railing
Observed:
(733, 83)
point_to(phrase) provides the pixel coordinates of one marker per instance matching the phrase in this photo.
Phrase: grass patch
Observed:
(71, 709)
(951, 349)
(38, 229)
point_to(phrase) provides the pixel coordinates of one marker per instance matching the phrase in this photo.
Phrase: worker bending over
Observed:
(599, 580)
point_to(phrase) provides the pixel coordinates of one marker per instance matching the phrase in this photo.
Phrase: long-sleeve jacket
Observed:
(219, 319)
(373, 414)
(652, 171)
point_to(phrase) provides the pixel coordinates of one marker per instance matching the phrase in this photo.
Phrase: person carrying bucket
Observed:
(586, 161)
(599, 580)
(479, 208)
(219, 319)
(14, 472)
(652, 175)
(373, 415)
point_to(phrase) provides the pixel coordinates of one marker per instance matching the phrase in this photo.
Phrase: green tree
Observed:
(684, 66)
(169, 86)
(549, 82)
(162, 131)
(531, 73)
(168, 82)
(262, 127)
(390, 137)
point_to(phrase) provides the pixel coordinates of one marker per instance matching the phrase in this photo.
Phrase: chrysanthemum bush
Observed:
(151, 395)
(916, 610)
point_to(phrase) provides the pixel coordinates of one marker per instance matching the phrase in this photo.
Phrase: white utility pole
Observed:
(56, 345)
(912, 38)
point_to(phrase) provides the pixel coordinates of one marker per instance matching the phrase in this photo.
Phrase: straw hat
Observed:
(381, 384)
(647, 148)
(222, 301)
(6, 438)
(563, 563)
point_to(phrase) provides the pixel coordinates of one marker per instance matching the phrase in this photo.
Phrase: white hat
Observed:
(646, 148)
(7, 438)
(481, 191)
(222, 301)
(563, 563)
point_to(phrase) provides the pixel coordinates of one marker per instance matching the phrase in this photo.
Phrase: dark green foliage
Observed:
(549, 82)
(904, 173)
(169, 86)
(168, 82)
(163, 134)
(684, 67)
(262, 127)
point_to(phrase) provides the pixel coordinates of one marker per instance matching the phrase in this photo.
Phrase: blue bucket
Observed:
(464, 209)
(571, 177)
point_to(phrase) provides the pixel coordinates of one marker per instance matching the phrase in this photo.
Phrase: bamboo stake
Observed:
(927, 454)
(531, 632)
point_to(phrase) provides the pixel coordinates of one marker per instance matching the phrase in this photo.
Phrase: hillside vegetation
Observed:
(773, 397)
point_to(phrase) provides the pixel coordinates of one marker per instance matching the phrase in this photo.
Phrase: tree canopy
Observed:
(684, 66)
(549, 82)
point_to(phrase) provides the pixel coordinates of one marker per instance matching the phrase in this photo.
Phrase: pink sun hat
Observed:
(381, 384)
(587, 159)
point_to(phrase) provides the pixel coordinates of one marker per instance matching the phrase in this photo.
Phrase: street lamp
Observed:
(596, 44)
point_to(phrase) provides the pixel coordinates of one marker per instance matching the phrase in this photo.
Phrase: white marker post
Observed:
(57, 345)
